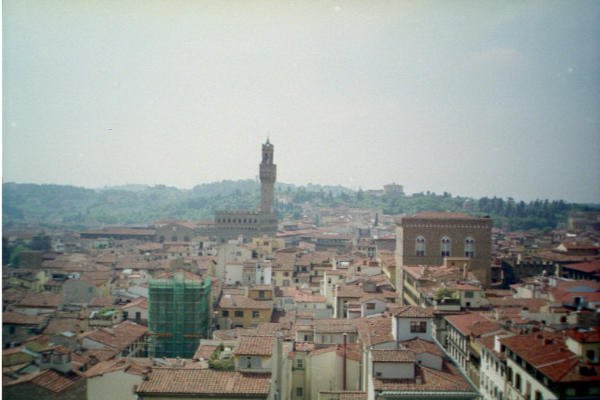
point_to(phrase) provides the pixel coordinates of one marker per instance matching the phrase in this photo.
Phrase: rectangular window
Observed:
(300, 363)
(255, 314)
(370, 306)
(469, 294)
(225, 313)
(239, 314)
(299, 392)
(261, 294)
(418, 326)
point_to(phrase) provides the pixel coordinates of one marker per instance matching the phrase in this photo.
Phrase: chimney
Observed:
(344, 378)
(277, 373)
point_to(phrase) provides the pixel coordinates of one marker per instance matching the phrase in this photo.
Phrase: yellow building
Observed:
(239, 311)
(265, 246)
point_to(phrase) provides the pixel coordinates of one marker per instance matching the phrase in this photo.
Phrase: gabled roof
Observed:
(374, 330)
(393, 356)
(255, 346)
(40, 300)
(15, 318)
(413, 312)
(48, 379)
(120, 336)
(548, 353)
(243, 302)
(472, 324)
(419, 346)
(135, 366)
(204, 381)
(446, 380)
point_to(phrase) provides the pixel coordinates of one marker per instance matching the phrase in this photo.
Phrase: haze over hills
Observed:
(50, 206)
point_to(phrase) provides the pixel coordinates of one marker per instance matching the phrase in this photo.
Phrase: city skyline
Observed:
(475, 99)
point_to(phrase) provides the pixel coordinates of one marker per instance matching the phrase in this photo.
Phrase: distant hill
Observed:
(57, 206)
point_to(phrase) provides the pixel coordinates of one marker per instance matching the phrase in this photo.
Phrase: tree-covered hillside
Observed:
(50, 206)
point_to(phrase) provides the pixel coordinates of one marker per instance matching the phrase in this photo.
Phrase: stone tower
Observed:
(268, 174)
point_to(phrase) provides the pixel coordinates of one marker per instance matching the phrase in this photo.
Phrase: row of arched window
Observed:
(445, 247)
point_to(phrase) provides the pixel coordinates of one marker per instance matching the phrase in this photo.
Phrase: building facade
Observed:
(427, 238)
(252, 223)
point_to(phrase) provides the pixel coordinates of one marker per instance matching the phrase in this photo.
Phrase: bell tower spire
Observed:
(268, 175)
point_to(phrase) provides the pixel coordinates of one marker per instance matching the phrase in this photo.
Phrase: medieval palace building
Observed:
(232, 224)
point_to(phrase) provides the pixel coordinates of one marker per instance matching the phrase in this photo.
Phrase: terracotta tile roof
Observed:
(474, 324)
(465, 286)
(230, 334)
(419, 346)
(334, 325)
(393, 356)
(52, 381)
(120, 231)
(13, 295)
(15, 356)
(204, 351)
(140, 302)
(548, 353)
(446, 380)
(60, 325)
(41, 300)
(531, 304)
(488, 343)
(352, 351)
(591, 335)
(120, 336)
(135, 366)
(588, 267)
(269, 328)
(188, 276)
(413, 312)
(102, 301)
(241, 301)
(99, 354)
(199, 381)
(375, 330)
(15, 318)
(255, 346)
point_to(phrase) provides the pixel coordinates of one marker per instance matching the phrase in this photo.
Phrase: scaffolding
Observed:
(179, 315)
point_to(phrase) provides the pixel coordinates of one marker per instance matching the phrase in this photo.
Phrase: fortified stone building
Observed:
(429, 237)
(231, 224)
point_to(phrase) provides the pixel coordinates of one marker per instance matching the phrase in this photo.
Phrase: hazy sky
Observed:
(475, 98)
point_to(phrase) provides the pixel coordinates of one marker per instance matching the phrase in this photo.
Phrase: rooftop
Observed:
(200, 381)
(255, 345)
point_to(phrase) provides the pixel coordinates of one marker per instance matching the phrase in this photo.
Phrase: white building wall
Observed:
(380, 307)
(401, 329)
(513, 393)
(384, 370)
(492, 383)
(112, 386)
(234, 274)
